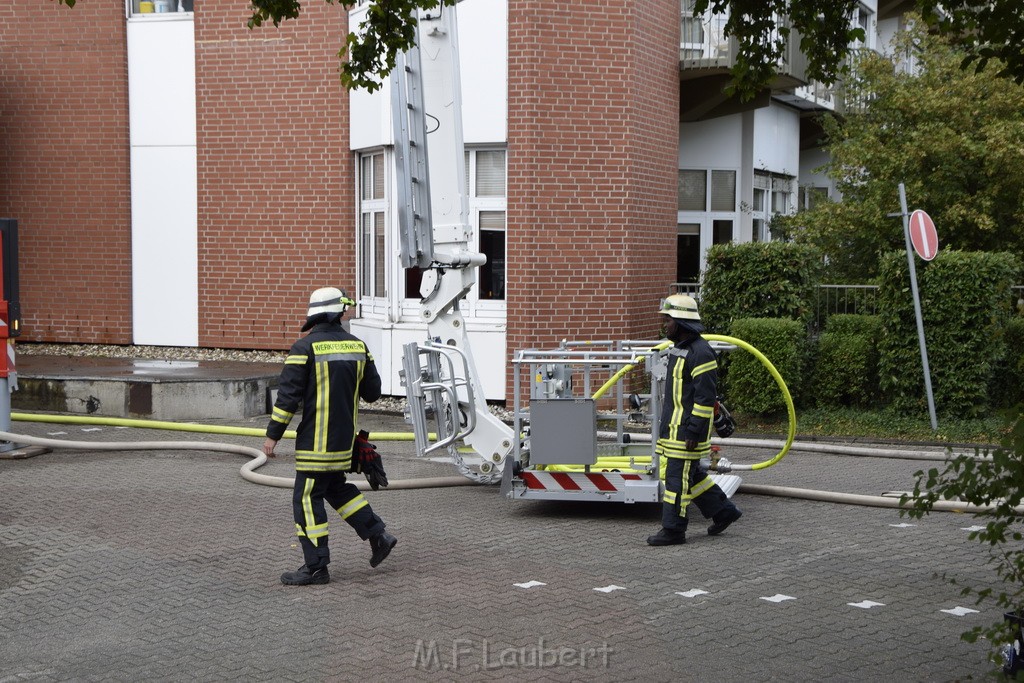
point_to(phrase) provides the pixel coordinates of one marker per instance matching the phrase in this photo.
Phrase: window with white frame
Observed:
(864, 19)
(773, 195)
(165, 9)
(486, 189)
(691, 41)
(373, 210)
(694, 192)
(706, 203)
(812, 196)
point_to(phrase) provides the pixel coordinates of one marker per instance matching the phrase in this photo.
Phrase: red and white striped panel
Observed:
(577, 481)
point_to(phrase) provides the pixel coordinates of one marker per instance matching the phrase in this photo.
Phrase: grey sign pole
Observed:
(917, 309)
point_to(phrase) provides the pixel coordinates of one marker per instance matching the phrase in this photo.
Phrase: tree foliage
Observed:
(955, 139)
(996, 484)
(823, 26)
(389, 28)
(989, 30)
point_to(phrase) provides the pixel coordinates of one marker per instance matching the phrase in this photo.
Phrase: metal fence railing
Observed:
(833, 299)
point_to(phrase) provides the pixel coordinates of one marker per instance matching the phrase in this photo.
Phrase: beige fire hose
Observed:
(258, 459)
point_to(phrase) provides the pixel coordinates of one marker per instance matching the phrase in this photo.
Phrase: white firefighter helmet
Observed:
(680, 307)
(325, 302)
(328, 300)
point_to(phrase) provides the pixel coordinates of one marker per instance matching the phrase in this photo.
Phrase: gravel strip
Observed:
(385, 404)
(149, 352)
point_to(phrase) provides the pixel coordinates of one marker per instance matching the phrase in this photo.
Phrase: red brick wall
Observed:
(276, 204)
(592, 141)
(64, 161)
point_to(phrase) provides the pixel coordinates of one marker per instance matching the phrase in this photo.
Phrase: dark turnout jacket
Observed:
(690, 395)
(326, 372)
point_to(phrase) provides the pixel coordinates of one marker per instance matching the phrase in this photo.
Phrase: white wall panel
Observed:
(165, 268)
(162, 82)
(369, 113)
(715, 143)
(483, 57)
(386, 342)
(162, 114)
(777, 140)
(483, 62)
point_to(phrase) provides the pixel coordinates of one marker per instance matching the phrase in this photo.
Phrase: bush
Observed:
(749, 386)
(965, 305)
(758, 280)
(846, 369)
(1008, 382)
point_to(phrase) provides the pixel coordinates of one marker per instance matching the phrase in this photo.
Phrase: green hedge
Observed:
(759, 280)
(965, 305)
(748, 385)
(1008, 383)
(846, 367)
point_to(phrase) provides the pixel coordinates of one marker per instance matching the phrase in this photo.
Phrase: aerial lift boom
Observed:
(440, 375)
(554, 449)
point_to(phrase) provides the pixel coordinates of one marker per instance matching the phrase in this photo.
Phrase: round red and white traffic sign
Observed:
(923, 235)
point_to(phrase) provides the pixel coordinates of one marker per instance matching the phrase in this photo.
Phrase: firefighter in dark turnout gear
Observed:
(686, 419)
(326, 372)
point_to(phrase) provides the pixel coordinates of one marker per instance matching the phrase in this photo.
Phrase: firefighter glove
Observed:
(367, 461)
(724, 423)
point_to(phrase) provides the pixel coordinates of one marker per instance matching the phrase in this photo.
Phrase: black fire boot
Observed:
(381, 544)
(724, 520)
(304, 577)
(667, 537)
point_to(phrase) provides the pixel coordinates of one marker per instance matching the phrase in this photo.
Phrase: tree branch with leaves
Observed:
(995, 483)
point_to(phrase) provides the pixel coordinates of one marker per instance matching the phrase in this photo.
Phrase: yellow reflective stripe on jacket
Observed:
(339, 350)
(323, 404)
(308, 461)
(282, 416)
(670, 448)
(320, 468)
(678, 411)
(296, 360)
(704, 367)
(703, 411)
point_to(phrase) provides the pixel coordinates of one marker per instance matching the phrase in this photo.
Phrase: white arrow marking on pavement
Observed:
(902, 525)
(959, 611)
(866, 604)
(691, 593)
(779, 597)
(609, 589)
(529, 584)
(972, 528)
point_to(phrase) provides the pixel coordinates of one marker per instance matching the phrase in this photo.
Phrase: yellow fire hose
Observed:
(182, 426)
(258, 459)
(621, 463)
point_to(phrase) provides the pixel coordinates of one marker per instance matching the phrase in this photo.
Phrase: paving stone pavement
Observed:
(164, 566)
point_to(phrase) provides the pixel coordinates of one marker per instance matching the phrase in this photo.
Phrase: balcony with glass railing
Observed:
(813, 96)
(705, 49)
(703, 43)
